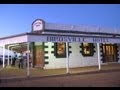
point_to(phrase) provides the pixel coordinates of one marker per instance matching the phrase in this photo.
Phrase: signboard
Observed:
(78, 39)
(57, 38)
(38, 25)
(60, 38)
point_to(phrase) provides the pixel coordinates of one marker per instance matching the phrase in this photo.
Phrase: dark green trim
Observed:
(52, 46)
(70, 47)
(45, 52)
(94, 48)
(46, 57)
(52, 51)
(101, 50)
(91, 47)
(46, 62)
(117, 55)
(70, 51)
(45, 46)
(80, 46)
(81, 51)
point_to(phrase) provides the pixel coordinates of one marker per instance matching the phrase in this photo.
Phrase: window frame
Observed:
(91, 49)
(55, 50)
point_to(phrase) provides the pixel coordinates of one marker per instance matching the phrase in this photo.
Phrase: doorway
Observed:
(39, 56)
(109, 52)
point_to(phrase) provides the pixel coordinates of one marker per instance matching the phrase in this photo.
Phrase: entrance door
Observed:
(39, 56)
(109, 53)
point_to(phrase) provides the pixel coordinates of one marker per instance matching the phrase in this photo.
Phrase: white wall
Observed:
(76, 59)
(53, 61)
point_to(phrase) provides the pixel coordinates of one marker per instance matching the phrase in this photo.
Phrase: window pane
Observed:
(60, 48)
(86, 48)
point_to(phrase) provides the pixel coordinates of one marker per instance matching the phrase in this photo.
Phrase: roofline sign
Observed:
(38, 25)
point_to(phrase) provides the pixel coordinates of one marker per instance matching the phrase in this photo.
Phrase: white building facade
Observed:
(54, 46)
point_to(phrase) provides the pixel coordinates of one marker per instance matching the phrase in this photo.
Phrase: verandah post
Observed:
(28, 68)
(67, 58)
(3, 56)
(98, 48)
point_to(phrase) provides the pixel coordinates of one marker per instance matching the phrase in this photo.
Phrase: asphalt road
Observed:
(106, 79)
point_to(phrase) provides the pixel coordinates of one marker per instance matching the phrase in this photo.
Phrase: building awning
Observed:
(38, 37)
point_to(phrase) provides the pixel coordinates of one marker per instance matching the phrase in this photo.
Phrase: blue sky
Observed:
(17, 18)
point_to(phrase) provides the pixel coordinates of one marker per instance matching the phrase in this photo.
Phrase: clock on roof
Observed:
(38, 25)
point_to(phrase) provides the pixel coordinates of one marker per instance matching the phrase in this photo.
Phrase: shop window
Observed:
(87, 49)
(60, 50)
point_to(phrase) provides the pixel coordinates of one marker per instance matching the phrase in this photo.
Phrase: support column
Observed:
(28, 68)
(3, 56)
(67, 58)
(11, 55)
(98, 48)
(8, 55)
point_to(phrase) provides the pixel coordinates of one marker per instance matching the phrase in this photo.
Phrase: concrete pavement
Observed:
(102, 79)
(10, 74)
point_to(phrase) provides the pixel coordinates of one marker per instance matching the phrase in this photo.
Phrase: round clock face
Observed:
(37, 25)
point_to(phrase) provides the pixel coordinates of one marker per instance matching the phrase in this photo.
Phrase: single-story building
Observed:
(54, 46)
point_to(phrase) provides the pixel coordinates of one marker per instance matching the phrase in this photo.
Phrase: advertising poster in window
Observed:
(88, 49)
(60, 49)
